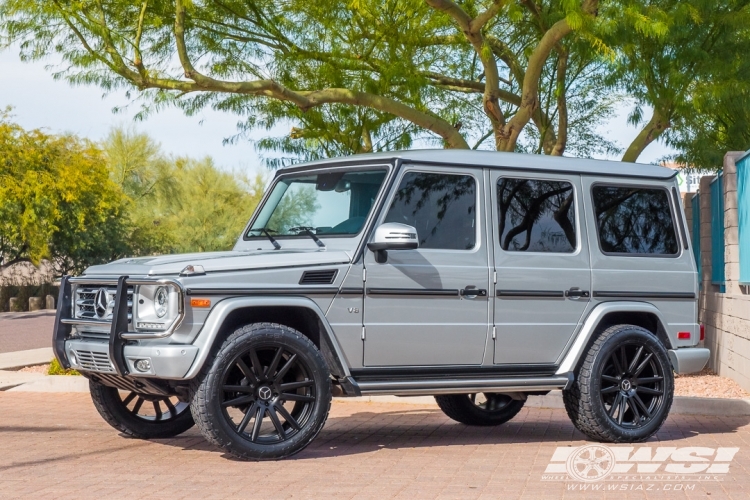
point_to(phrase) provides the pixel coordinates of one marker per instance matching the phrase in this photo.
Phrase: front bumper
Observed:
(688, 359)
(165, 361)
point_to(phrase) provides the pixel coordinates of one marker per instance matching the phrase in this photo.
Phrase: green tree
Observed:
(695, 77)
(56, 201)
(354, 76)
(177, 204)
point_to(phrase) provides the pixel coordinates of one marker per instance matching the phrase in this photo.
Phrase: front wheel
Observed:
(141, 415)
(482, 409)
(624, 388)
(266, 395)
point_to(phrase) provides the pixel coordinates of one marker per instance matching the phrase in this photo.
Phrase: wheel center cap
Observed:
(265, 393)
(625, 385)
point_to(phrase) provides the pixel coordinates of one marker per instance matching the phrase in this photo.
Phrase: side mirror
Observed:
(392, 236)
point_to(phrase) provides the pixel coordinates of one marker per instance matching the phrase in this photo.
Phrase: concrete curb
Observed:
(20, 359)
(55, 383)
(10, 379)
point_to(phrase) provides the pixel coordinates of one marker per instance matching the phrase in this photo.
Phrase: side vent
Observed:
(324, 277)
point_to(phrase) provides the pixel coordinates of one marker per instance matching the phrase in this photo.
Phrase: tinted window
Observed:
(633, 220)
(335, 203)
(441, 207)
(536, 215)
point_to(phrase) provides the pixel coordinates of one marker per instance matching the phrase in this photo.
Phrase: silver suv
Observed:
(478, 277)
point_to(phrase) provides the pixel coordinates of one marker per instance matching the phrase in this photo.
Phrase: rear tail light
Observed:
(703, 332)
(683, 335)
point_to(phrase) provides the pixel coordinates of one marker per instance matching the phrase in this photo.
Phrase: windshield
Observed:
(329, 204)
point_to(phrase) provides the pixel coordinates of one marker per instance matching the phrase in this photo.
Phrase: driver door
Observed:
(430, 306)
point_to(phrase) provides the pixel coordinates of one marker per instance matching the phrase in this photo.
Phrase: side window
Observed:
(634, 220)
(536, 215)
(442, 207)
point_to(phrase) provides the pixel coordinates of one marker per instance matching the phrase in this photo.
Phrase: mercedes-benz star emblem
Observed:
(265, 393)
(100, 303)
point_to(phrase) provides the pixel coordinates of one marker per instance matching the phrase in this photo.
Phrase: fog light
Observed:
(143, 365)
(72, 358)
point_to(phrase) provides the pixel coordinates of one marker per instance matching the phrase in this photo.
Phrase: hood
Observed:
(219, 261)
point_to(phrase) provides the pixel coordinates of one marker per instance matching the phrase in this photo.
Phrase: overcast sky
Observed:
(41, 102)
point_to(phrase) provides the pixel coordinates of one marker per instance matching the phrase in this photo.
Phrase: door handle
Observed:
(473, 292)
(577, 293)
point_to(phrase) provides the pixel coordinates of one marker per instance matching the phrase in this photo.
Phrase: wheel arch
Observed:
(609, 314)
(300, 313)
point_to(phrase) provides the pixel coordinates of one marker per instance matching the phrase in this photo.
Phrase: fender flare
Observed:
(576, 350)
(329, 346)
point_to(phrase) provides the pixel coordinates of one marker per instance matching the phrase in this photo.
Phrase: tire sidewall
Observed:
(110, 406)
(631, 335)
(236, 345)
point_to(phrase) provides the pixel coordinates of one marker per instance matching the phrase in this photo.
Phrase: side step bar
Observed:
(464, 385)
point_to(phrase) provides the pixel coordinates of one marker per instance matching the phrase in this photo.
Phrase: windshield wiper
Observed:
(308, 231)
(270, 238)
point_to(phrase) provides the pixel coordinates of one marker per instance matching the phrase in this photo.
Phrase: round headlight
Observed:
(161, 301)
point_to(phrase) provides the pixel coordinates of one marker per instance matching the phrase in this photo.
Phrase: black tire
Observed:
(263, 373)
(141, 416)
(624, 387)
(469, 409)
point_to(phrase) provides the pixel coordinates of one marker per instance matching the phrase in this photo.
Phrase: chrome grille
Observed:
(85, 302)
(94, 361)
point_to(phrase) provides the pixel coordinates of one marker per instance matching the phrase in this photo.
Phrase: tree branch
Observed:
(562, 106)
(650, 132)
(308, 99)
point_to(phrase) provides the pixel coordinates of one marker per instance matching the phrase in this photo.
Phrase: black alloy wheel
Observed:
(623, 387)
(268, 394)
(153, 408)
(632, 385)
(265, 395)
(143, 416)
(482, 409)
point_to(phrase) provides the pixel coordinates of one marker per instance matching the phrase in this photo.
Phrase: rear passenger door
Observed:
(541, 258)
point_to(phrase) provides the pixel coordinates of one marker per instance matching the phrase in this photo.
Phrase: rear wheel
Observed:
(624, 388)
(141, 415)
(266, 395)
(479, 409)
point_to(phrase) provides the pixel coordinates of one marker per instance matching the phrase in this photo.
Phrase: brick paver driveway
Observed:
(22, 331)
(56, 446)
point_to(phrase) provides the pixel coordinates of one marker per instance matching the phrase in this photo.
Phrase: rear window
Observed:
(634, 220)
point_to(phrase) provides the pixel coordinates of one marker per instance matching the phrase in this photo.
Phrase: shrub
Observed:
(56, 369)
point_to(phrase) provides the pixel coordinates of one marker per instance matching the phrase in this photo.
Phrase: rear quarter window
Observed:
(634, 220)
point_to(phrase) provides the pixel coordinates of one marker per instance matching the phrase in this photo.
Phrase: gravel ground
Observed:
(708, 384)
(35, 369)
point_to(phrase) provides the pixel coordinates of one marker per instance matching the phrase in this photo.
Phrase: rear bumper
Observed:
(688, 359)
(165, 361)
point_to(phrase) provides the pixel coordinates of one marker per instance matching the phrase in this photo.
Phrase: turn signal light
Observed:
(703, 331)
(200, 302)
(683, 335)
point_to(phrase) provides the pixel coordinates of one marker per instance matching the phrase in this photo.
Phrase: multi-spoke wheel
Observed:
(624, 387)
(479, 409)
(266, 395)
(141, 415)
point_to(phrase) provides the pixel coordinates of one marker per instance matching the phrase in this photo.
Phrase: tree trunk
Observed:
(653, 129)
